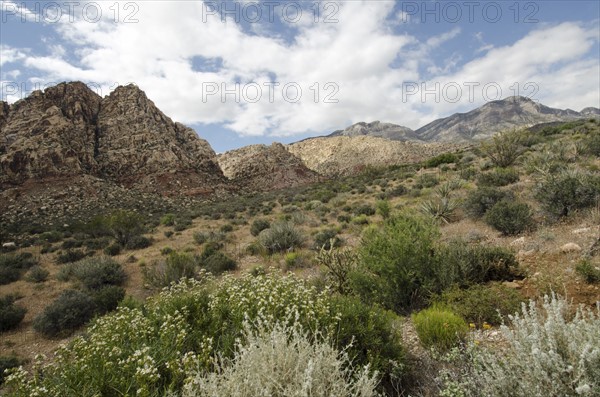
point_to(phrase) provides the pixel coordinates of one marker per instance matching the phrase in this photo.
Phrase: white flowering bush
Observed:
(283, 360)
(152, 351)
(548, 354)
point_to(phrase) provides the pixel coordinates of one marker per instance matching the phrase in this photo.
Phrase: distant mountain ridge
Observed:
(477, 124)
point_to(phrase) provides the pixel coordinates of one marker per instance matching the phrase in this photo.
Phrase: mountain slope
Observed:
(390, 131)
(262, 168)
(493, 117)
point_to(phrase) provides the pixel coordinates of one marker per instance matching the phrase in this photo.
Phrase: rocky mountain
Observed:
(69, 131)
(344, 155)
(493, 117)
(262, 168)
(390, 131)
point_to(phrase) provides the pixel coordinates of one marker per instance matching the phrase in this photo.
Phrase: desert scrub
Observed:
(179, 331)
(498, 177)
(549, 352)
(504, 148)
(164, 271)
(96, 272)
(283, 360)
(562, 193)
(258, 225)
(37, 274)
(479, 201)
(589, 272)
(11, 315)
(509, 217)
(439, 328)
(12, 266)
(68, 312)
(480, 304)
(281, 236)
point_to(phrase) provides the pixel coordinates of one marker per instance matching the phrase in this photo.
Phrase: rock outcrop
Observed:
(345, 155)
(68, 131)
(262, 168)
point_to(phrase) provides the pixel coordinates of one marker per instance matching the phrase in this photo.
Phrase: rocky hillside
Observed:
(343, 155)
(496, 116)
(262, 168)
(390, 131)
(69, 131)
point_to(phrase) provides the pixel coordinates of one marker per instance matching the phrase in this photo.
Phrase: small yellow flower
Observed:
(486, 326)
(472, 325)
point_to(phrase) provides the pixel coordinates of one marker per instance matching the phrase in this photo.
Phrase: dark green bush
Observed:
(258, 225)
(107, 298)
(138, 242)
(218, 263)
(467, 264)
(173, 268)
(324, 238)
(589, 272)
(68, 244)
(509, 217)
(210, 236)
(11, 315)
(113, 249)
(167, 220)
(68, 312)
(479, 201)
(6, 363)
(372, 336)
(444, 158)
(344, 218)
(12, 266)
(504, 148)
(98, 272)
(397, 191)
(364, 209)
(426, 181)
(37, 274)
(481, 304)
(226, 228)
(281, 236)
(125, 225)
(51, 237)
(69, 256)
(498, 177)
(567, 191)
(397, 267)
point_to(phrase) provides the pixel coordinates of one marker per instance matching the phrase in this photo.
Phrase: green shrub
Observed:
(344, 218)
(68, 312)
(258, 225)
(6, 363)
(67, 244)
(498, 177)
(226, 228)
(69, 256)
(281, 236)
(547, 352)
(138, 242)
(504, 148)
(167, 220)
(166, 250)
(98, 272)
(444, 158)
(113, 249)
(360, 220)
(364, 209)
(564, 192)
(397, 265)
(173, 268)
(11, 315)
(12, 266)
(589, 272)
(440, 328)
(384, 208)
(590, 144)
(426, 181)
(218, 263)
(210, 236)
(168, 233)
(125, 225)
(440, 209)
(51, 237)
(509, 217)
(107, 298)
(397, 191)
(467, 264)
(481, 304)
(479, 201)
(37, 274)
(325, 238)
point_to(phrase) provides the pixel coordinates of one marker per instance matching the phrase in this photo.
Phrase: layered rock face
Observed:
(49, 134)
(262, 168)
(68, 130)
(345, 155)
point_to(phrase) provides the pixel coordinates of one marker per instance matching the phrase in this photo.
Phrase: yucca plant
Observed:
(441, 209)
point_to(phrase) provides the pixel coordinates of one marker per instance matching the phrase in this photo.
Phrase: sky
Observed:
(250, 72)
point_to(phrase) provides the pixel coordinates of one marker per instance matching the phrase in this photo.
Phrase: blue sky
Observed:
(256, 72)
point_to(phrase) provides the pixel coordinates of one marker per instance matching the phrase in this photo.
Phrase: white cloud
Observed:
(356, 54)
